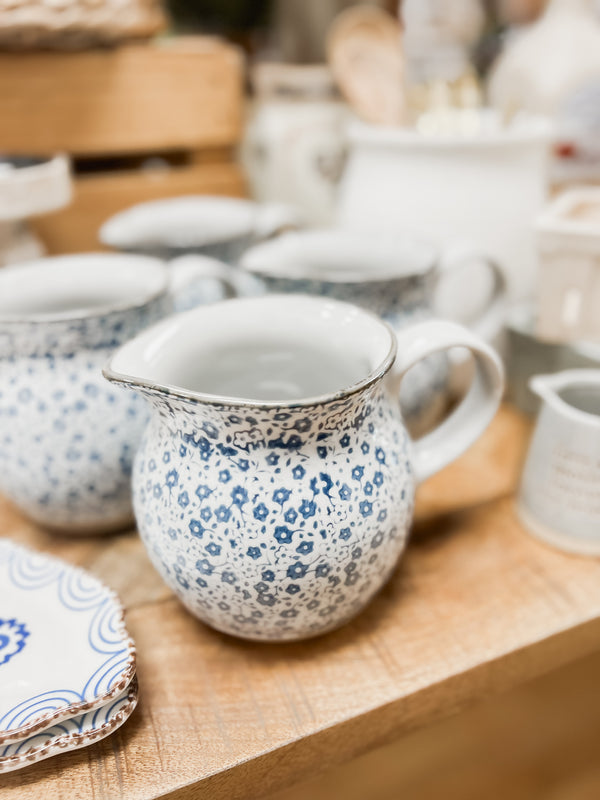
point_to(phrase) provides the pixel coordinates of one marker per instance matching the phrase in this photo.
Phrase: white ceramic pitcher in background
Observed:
(486, 188)
(559, 498)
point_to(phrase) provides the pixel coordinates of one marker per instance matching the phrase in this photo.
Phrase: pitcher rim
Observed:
(384, 365)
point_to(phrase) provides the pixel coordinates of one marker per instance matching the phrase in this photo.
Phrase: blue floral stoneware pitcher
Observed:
(275, 481)
(67, 439)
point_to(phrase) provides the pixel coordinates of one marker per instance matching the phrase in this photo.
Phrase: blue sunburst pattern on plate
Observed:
(66, 631)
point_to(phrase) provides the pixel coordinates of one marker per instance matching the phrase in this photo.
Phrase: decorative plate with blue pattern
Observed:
(70, 734)
(64, 649)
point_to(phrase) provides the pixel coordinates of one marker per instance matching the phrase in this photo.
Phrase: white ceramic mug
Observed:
(274, 486)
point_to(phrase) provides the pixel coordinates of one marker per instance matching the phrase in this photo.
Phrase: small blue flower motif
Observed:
(304, 548)
(289, 613)
(345, 534)
(201, 583)
(204, 566)
(345, 440)
(202, 492)
(382, 516)
(268, 575)
(228, 577)
(378, 478)
(272, 459)
(234, 419)
(297, 570)
(292, 588)
(210, 430)
(243, 464)
(205, 514)
(308, 508)
(291, 515)
(380, 455)
(253, 552)
(345, 492)
(368, 488)
(322, 571)
(224, 476)
(283, 534)
(303, 425)
(157, 491)
(223, 514)
(266, 599)
(166, 457)
(357, 473)
(239, 496)
(281, 496)
(213, 549)
(183, 499)
(298, 472)
(13, 638)
(261, 587)
(260, 512)
(365, 508)
(183, 453)
(322, 451)
(365, 448)
(196, 529)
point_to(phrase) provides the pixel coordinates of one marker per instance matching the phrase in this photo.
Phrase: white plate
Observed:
(64, 649)
(70, 734)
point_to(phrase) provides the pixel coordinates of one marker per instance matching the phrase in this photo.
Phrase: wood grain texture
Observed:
(97, 197)
(475, 607)
(177, 93)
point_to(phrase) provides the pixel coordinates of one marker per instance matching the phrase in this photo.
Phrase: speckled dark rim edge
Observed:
(74, 741)
(75, 709)
(98, 312)
(373, 376)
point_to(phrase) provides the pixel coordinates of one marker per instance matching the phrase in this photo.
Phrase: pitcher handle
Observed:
(188, 272)
(491, 319)
(467, 422)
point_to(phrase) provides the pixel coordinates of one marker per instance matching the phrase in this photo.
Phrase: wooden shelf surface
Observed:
(475, 607)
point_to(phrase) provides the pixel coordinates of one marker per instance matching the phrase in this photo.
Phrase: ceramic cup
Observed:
(392, 276)
(559, 496)
(219, 227)
(67, 439)
(275, 482)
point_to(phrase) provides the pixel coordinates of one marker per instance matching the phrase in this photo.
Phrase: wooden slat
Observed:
(97, 196)
(475, 607)
(180, 93)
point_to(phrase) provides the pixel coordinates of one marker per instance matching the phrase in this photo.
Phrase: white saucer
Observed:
(72, 733)
(64, 649)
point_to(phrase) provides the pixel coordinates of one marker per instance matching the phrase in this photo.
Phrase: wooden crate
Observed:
(179, 100)
(178, 93)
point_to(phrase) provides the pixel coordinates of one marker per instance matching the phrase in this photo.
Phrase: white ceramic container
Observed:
(559, 497)
(485, 188)
(274, 485)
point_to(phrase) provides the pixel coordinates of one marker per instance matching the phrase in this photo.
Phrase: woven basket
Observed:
(76, 24)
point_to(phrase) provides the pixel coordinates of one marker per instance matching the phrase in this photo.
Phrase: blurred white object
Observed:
(559, 498)
(553, 68)
(569, 288)
(484, 184)
(294, 144)
(28, 187)
(364, 49)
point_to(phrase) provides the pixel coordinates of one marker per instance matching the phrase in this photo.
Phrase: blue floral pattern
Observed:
(13, 637)
(67, 438)
(294, 516)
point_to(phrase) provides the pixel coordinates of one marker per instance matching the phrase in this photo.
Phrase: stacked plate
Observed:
(67, 663)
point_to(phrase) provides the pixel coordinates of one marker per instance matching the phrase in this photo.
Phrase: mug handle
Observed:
(491, 319)
(467, 422)
(187, 271)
